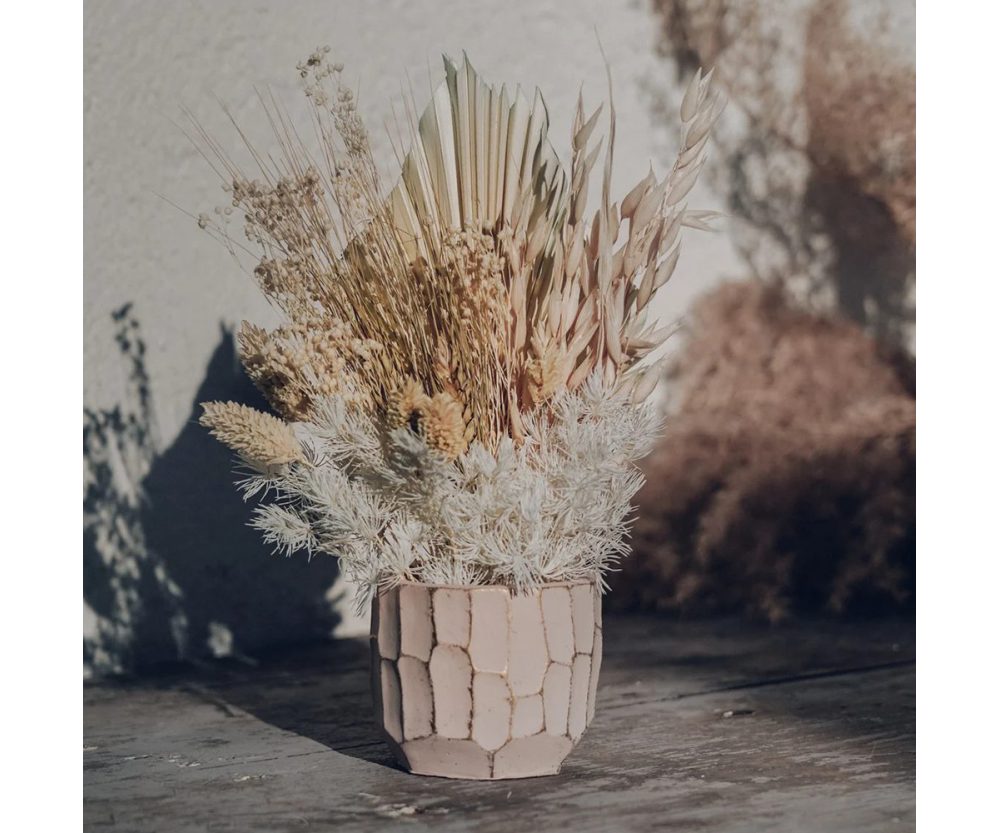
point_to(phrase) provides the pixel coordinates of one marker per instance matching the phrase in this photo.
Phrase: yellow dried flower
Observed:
(443, 425)
(272, 367)
(258, 437)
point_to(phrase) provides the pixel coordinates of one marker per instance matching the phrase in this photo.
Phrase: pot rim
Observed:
(564, 583)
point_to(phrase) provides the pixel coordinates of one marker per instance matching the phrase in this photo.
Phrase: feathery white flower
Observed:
(555, 508)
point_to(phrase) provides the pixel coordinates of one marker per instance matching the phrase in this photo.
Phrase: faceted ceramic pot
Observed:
(481, 683)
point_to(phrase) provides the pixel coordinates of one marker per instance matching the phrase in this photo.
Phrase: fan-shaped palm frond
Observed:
(480, 159)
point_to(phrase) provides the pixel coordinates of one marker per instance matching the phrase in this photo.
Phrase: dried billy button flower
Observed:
(439, 419)
(443, 426)
(259, 438)
(406, 405)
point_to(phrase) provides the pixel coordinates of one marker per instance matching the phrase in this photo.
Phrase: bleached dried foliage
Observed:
(462, 354)
(553, 508)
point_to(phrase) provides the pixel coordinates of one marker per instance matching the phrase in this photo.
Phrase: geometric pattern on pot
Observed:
(480, 683)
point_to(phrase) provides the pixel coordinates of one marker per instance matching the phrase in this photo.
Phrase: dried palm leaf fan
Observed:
(460, 362)
(481, 159)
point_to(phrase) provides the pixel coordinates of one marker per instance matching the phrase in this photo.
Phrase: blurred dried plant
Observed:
(786, 479)
(819, 165)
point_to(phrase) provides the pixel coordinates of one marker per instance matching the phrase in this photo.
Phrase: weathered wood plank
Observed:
(699, 726)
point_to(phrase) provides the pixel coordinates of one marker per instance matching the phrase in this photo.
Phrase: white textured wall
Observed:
(144, 61)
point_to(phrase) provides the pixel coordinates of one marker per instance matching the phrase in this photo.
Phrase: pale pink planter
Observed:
(480, 683)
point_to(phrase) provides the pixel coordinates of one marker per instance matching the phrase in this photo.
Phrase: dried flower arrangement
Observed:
(459, 382)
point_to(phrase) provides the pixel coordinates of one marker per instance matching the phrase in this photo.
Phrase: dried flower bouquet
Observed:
(459, 379)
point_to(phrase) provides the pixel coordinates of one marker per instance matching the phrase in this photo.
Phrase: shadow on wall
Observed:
(819, 167)
(171, 570)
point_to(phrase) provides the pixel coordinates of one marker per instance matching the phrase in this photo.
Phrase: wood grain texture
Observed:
(700, 726)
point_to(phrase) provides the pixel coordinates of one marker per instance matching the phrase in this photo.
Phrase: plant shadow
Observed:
(820, 223)
(171, 569)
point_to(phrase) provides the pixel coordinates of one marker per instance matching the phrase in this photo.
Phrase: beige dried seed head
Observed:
(251, 339)
(443, 426)
(406, 404)
(546, 374)
(254, 435)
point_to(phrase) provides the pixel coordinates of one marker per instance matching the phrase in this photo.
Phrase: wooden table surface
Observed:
(705, 725)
